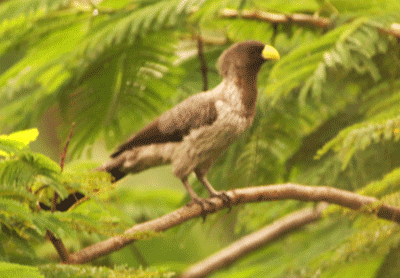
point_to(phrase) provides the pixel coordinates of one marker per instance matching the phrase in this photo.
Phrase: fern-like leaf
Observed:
(360, 136)
(12, 9)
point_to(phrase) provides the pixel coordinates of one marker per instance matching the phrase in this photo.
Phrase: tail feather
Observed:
(117, 174)
(138, 159)
(114, 167)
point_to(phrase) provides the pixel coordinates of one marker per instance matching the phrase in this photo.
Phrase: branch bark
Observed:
(301, 19)
(252, 242)
(59, 246)
(240, 196)
(317, 21)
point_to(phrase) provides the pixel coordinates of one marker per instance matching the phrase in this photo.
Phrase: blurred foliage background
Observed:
(327, 114)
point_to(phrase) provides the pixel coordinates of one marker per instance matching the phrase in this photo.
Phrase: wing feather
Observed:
(174, 124)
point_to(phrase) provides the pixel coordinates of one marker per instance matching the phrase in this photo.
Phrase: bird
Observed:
(193, 134)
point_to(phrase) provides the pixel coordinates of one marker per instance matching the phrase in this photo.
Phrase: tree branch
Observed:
(254, 241)
(301, 19)
(240, 196)
(59, 246)
(317, 21)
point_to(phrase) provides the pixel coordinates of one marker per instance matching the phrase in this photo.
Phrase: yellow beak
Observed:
(270, 53)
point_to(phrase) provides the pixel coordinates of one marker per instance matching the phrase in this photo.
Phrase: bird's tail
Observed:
(138, 159)
(114, 167)
(117, 174)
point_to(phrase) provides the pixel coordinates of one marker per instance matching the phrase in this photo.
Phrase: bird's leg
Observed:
(196, 199)
(214, 193)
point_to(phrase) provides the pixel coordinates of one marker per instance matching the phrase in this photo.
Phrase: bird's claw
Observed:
(226, 200)
(201, 202)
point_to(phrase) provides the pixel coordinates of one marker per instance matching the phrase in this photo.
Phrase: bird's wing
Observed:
(174, 124)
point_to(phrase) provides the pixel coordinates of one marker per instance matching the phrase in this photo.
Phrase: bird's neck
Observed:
(245, 82)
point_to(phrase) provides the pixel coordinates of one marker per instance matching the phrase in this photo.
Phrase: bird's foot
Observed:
(201, 202)
(226, 200)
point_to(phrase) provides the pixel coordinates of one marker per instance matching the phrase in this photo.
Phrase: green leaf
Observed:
(360, 136)
(10, 207)
(112, 4)
(24, 136)
(16, 141)
(49, 221)
(10, 269)
(64, 271)
(3, 254)
(16, 8)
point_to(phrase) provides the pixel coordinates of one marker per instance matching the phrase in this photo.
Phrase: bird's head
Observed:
(248, 56)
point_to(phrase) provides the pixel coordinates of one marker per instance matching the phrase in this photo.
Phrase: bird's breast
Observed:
(232, 117)
(231, 109)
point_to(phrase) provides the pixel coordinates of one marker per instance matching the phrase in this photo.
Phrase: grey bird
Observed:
(193, 134)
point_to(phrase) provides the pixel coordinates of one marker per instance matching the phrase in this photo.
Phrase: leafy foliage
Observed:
(56, 271)
(359, 137)
(9, 269)
(14, 9)
(133, 70)
(28, 178)
(328, 114)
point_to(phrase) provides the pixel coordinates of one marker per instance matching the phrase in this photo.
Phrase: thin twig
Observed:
(62, 161)
(78, 202)
(57, 243)
(64, 153)
(204, 69)
(240, 196)
(254, 241)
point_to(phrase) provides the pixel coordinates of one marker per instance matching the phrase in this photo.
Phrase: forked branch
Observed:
(241, 196)
(252, 242)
